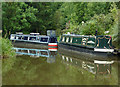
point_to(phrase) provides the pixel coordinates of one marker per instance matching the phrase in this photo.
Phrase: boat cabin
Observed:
(34, 37)
(98, 43)
(30, 38)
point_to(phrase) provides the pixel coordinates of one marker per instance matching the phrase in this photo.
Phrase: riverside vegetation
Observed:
(7, 50)
(79, 18)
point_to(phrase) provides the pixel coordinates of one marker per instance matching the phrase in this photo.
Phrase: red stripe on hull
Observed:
(52, 45)
(52, 48)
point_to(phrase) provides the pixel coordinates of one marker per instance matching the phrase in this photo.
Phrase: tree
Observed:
(17, 17)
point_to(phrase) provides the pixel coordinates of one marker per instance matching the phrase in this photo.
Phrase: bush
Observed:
(7, 46)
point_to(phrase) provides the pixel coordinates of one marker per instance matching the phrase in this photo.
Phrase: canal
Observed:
(62, 67)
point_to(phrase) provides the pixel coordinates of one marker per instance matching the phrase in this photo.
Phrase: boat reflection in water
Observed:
(36, 53)
(96, 66)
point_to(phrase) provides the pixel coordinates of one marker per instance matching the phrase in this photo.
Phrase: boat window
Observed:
(44, 39)
(32, 38)
(67, 39)
(25, 38)
(12, 37)
(18, 37)
(38, 38)
(63, 39)
(71, 40)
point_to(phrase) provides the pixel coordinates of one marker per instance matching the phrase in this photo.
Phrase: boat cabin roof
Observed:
(74, 35)
(34, 33)
(19, 33)
(28, 35)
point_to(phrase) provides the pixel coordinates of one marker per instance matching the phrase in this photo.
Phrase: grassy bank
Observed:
(6, 48)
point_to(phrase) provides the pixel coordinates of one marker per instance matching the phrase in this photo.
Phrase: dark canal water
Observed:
(64, 67)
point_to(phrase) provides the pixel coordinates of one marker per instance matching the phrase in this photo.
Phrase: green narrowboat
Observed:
(95, 43)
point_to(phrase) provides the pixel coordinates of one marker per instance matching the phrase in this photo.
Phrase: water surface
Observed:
(44, 67)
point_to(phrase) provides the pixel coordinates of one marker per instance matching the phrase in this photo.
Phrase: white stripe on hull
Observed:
(103, 62)
(103, 50)
(52, 49)
(52, 43)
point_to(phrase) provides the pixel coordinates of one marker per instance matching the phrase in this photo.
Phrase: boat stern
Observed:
(104, 44)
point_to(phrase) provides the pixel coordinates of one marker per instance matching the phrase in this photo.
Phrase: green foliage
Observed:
(7, 50)
(100, 22)
(91, 16)
(79, 18)
(115, 28)
(17, 16)
(96, 8)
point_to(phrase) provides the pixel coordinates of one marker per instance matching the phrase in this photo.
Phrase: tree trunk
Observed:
(5, 35)
(9, 34)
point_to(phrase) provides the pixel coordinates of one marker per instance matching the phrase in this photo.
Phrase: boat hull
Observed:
(84, 50)
(29, 44)
(86, 43)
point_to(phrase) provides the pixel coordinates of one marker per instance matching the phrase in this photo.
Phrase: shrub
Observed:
(6, 46)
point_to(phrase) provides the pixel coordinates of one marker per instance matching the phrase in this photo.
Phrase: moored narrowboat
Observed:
(90, 43)
(24, 40)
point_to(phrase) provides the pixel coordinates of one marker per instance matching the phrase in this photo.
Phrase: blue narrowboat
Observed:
(21, 39)
(87, 43)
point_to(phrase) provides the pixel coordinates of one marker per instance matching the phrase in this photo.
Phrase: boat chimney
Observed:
(51, 33)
